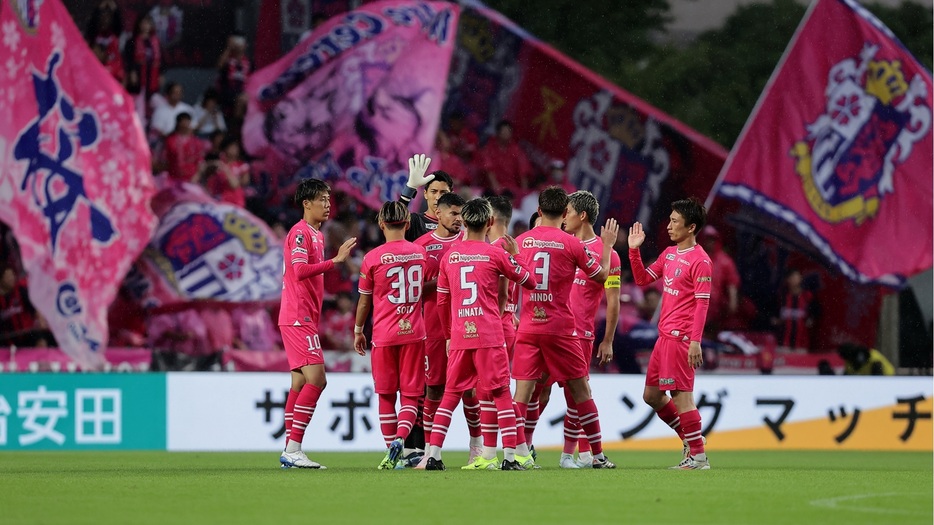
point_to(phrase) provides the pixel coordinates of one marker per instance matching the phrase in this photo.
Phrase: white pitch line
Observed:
(834, 503)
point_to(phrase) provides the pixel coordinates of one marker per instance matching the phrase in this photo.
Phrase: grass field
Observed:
(231, 488)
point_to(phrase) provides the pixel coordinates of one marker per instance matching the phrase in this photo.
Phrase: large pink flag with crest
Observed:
(75, 180)
(353, 101)
(837, 153)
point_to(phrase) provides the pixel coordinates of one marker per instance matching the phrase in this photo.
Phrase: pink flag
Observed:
(353, 101)
(75, 178)
(838, 151)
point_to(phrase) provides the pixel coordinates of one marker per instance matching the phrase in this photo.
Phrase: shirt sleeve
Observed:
(365, 285)
(642, 275)
(702, 273)
(298, 245)
(585, 260)
(515, 271)
(613, 279)
(444, 301)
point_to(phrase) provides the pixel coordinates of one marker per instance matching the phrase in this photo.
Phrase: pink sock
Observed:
(289, 408)
(472, 415)
(590, 422)
(428, 417)
(669, 414)
(408, 413)
(489, 425)
(520, 424)
(505, 416)
(305, 404)
(442, 420)
(387, 417)
(691, 423)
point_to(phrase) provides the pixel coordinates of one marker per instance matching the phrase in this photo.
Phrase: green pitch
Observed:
(233, 488)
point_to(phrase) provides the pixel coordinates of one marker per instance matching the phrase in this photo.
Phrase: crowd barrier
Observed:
(245, 412)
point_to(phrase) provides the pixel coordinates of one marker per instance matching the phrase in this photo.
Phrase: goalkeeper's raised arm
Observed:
(436, 184)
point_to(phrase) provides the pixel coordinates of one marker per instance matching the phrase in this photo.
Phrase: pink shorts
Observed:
(668, 366)
(436, 362)
(558, 355)
(483, 368)
(399, 369)
(302, 346)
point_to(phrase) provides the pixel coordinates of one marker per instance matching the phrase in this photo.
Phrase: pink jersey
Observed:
(686, 276)
(512, 299)
(302, 278)
(587, 294)
(436, 247)
(393, 274)
(467, 293)
(554, 256)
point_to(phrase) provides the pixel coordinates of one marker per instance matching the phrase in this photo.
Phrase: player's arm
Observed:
(611, 290)
(444, 301)
(513, 268)
(502, 294)
(640, 274)
(364, 304)
(701, 273)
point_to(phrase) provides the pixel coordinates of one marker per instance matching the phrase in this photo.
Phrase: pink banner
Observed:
(75, 178)
(353, 101)
(204, 249)
(54, 360)
(838, 152)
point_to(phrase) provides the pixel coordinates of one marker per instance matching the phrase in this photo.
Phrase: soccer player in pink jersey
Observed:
(302, 292)
(686, 271)
(547, 340)
(586, 295)
(468, 303)
(391, 282)
(437, 244)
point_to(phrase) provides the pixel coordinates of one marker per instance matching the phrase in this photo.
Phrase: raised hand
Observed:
(636, 235)
(418, 166)
(610, 232)
(344, 251)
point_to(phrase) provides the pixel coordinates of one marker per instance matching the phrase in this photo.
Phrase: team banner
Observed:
(204, 249)
(75, 178)
(634, 158)
(839, 147)
(353, 101)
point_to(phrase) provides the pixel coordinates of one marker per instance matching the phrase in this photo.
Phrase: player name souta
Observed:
(475, 311)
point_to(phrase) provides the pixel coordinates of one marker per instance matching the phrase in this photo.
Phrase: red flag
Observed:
(838, 151)
(75, 179)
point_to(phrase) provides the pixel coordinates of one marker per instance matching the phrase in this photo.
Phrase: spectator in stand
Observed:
(464, 141)
(221, 335)
(103, 36)
(233, 69)
(337, 324)
(164, 119)
(167, 19)
(724, 294)
(449, 162)
(18, 317)
(237, 116)
(864, 361)
(207, 116)
(142, 56)
(255, 330)
(797, 313)
(182, 332)
(230, 181)
(503, 165)
(184, 152)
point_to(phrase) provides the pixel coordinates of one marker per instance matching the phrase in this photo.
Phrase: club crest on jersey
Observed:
(299, 239)
(872, 119)
(677, 272)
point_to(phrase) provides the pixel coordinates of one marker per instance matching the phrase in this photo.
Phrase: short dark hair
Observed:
(693, 212)
(309, 190)
(182, 116)
(476, 213)
(584, 201)
(441, 176)
(502, 207)
(451, 199)
(553, 201)
(532, 220)
(504, 124)
(394, 215)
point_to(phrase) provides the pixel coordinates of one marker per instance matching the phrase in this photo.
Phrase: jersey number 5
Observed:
(408, 284)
